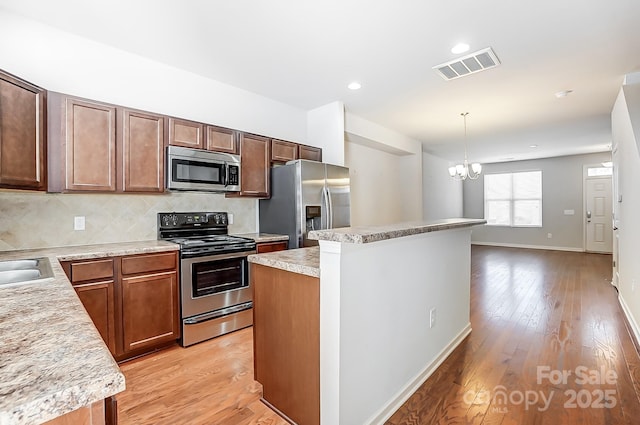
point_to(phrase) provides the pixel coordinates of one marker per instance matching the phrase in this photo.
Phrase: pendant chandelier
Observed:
(465, 170)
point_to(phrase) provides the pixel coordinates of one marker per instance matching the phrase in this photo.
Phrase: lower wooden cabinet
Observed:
(149, 310)
(99, 300)
(132, 300)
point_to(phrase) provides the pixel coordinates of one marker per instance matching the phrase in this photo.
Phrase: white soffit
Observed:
(466, 65)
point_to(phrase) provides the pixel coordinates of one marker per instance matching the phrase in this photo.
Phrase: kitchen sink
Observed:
(16, 272)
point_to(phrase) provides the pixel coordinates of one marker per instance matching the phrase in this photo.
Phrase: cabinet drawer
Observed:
(262, 248)
(90, 270)
(149, 263)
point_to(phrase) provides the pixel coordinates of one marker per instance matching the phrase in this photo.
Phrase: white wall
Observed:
(562, 189)
(625, 119)
(376, 346)
(442, 195)
(60, 61)
(386, 173)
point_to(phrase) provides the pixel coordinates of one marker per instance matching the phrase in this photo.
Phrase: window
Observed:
(513, 199)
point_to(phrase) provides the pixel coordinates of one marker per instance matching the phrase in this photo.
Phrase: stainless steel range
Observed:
(216, 297)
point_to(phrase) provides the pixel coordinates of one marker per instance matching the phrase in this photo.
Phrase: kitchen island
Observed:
(374, 315)
(53, 361)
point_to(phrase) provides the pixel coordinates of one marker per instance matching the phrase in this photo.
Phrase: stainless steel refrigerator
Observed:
(306, 195)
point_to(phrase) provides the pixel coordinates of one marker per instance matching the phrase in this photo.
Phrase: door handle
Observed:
(588, 214)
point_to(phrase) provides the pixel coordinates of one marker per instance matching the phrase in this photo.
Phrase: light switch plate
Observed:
(78, 222)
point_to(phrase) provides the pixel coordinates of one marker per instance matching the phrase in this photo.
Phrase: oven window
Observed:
(219, 276)
(197, 172)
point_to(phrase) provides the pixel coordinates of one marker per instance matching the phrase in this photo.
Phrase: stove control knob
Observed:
(174, 220)
(223, 219)
(216, 217)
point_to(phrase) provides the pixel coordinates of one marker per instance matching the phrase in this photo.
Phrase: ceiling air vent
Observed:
(469, 64)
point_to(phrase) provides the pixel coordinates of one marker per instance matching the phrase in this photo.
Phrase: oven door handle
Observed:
(218, 313)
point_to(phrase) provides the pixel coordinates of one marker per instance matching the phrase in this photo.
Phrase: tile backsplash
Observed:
(43, 220)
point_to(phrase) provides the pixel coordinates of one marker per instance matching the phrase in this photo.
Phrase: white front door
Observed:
(599, 232)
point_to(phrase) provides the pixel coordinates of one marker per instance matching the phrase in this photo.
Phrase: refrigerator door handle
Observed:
(330, 212)
(324, 210)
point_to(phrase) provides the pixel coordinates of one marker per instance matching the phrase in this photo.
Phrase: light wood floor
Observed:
(529, 308)
(532, 308)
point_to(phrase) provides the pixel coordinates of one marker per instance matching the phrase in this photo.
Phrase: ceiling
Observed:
(304, 53)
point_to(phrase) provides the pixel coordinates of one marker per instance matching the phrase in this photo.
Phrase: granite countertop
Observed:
(370, 234)
(264, 237)
(302, 260)
(52, 358)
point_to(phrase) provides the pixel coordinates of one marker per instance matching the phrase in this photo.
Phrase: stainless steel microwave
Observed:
(195, 169)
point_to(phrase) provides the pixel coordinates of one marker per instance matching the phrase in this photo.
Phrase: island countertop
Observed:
(52, 358)
(368, 234)
(302, 260)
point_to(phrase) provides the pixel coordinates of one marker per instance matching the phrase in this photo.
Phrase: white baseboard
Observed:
(627, 312)
(412, 386)
(516, 245)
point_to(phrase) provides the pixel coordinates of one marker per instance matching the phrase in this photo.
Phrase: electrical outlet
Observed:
(549, 235)
(432, 317)
(229, 218)
(78, 222)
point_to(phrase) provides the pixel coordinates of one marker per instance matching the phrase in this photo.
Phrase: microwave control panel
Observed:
(234, 178)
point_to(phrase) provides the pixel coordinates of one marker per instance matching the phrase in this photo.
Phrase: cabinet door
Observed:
(221, 139)
(185, 133)
(98, 299)
(282, 151)
(90, 135)
(254, 168)
(310, 152)
(141, 145)
(22, 134)
(149, 310)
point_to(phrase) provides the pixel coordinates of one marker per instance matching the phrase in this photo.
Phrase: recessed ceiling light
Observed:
(533, 146)
(354, 86)
(459, 48)
(563, 93)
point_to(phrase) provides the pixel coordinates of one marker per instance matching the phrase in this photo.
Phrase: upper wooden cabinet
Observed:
(82, 147)
(141, 143)
(221, 139)
(282, 151)
(310, 152)
(255, 164)
(104, 148)
(188, 134)
(22, 134)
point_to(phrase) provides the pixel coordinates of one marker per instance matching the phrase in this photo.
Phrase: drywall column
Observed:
(325, 129)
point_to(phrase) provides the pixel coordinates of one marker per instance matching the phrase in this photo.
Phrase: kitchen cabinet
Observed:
(141, 147)
(98, 147)
(150, 315)
(221, 139)
(310, 152)
(264, 247)
(94, 284)
(254, 172)
(188, 134)
(286, 341)
(82, 145)
(22, 134)
(132, 300)
(93, 414)
(282, 151)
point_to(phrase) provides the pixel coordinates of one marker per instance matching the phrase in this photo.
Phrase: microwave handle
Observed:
(225, 173)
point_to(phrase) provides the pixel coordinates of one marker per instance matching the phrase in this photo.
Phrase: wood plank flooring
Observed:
(529, 308)
(534, 309)
(207, 383)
